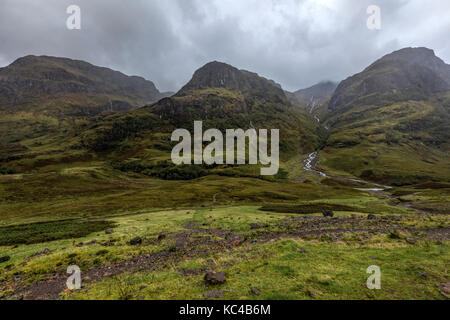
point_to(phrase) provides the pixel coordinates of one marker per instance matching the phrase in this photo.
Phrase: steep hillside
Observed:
(391, 122)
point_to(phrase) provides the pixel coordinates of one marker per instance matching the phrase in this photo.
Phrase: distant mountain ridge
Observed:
(220, 91)
(46, 97)
(315, 95)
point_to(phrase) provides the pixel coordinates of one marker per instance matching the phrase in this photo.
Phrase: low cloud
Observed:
(296, 43)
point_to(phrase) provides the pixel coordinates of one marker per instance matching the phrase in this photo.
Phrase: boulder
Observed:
(4, 259)
(328, 213)
(136, 241)
(161, 236)
(255, 291)
(215, 278)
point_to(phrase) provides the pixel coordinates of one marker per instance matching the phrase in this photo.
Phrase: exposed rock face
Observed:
(32, 77)
(221, 75)
(407, 74)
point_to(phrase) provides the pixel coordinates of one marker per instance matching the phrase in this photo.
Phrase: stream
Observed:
(310, 165)
(373, 188)
(312, 159)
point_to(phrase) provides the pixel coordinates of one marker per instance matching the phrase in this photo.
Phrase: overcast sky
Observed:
(296, 43)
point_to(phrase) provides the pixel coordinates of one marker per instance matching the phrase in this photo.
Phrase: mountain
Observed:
(406, 74)
(391, 122)
(86, 89)
(315, 95)
(219, 90)
(45, 102)
(225, 97)
(220, 95)
(221, 75)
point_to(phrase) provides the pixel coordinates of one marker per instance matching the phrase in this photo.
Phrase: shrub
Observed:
(49, 231)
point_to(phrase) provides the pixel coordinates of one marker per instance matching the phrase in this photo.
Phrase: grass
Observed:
(396, 144)
(95, 190)
(57, 216)
(306, 208)
(294, 269)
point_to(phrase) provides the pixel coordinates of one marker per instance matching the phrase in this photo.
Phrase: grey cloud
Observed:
(296, 43)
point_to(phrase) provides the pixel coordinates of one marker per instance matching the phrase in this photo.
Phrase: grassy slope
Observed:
(95, 190)
(402, 143)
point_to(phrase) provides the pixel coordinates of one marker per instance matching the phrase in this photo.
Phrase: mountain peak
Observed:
(214, 75)
(420, 56)
(412, 52)
(409, 73)
(217, 74)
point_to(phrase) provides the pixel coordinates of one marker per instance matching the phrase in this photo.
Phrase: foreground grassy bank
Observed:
(265, 255)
